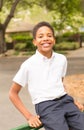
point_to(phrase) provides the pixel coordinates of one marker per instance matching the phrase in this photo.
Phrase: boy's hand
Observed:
(79, 105)
(34, 121)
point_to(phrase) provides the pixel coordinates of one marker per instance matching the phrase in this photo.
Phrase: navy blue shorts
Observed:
(60, 114)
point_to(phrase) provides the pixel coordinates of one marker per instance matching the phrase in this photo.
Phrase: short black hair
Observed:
(41, 24)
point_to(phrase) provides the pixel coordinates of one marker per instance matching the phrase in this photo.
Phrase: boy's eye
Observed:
(40, 36)
(49, 35)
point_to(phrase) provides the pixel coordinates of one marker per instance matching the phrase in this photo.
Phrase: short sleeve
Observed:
(64, 67)
(21, 76)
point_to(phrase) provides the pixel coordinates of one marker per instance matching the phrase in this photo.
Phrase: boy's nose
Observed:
(45, 38)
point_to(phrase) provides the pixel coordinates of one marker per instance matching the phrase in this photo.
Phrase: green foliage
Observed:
(16, 53)
(63, 6)
(20, 46)
(66, 46)
(82, 36)
(70, 37)
(21, 37)
(23, 42)
(24, 46)
(30, 46)
(63, 13)
(68, 11)
(27, 46)
(7, 6)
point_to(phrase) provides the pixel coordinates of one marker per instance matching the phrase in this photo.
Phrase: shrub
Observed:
(28, 46)
(20, 46)
(66, 46)
(21, 37)
(23, 42)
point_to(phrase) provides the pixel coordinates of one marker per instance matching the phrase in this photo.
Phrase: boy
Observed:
(44, 73)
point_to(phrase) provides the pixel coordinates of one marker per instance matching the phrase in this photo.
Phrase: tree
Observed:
(11, 5)
(82, 6)
(4, 25)
(62, 13)
(65, 12)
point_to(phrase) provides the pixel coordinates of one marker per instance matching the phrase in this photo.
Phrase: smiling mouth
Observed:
(46, 44)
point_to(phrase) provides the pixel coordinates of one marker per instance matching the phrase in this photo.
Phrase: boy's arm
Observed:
(78, 104)
(33, 121)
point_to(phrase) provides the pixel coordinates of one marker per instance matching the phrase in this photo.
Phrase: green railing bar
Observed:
(25, 127)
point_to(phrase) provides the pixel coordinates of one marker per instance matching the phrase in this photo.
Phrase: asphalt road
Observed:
(9, 116)
(11, 65)
(75, 65)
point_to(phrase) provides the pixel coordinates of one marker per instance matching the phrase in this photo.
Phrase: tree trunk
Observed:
(5, 24)
(2, 39)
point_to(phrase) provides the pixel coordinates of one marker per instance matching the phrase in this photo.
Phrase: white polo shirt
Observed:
(43, 76)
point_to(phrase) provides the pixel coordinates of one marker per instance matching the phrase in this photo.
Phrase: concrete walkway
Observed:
(9, 116)
(77, 53)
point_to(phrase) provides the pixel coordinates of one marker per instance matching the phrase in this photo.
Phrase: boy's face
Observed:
(44, 40)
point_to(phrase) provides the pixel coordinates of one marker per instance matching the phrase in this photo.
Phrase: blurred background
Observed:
(17, 18)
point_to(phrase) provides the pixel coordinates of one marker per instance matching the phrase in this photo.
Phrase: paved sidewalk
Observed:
(77, 53)
(9, 116)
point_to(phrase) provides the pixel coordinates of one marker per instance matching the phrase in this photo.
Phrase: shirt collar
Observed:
(44, 57)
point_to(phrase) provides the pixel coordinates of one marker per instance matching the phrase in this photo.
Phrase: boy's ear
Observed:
(54, 41)
(34, 42)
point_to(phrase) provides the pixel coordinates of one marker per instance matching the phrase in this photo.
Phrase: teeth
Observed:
(46, 44)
